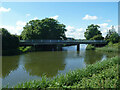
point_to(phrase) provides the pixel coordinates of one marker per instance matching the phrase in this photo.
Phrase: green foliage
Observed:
(110, 32)
(47, 28)
(97, 37)
(25, 49)
(90, 47)
(110, 47)
(9, 41)
(100, 75)
(112, 36)
(92, 31)
(108, 78)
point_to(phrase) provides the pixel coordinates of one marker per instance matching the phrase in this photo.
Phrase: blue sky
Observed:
(75, 15)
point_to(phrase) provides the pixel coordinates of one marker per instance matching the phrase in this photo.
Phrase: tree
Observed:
(110, 32)
(91, 31)
(97, 37)
(9, 41)
(47, 28)
(112, 36)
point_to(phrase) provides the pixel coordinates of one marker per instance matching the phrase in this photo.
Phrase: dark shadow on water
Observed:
(92, 56)
(9, 63)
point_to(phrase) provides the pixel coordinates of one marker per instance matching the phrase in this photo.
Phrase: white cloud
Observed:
(15, 29)
(108, 20)
(55, 17)
(104, 28)
(116, 28)
(103, 25)
(20, 23)
(78, 33)
(88, 17)
(27, 15)
(74, 32)
(2, 9)
(35, 18)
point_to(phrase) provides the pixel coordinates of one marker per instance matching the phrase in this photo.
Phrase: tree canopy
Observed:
(112, 36)
(9, 41)
(97, 37)
(47, 28)
(91, 31)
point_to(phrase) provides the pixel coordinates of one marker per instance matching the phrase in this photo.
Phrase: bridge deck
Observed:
(59, 42)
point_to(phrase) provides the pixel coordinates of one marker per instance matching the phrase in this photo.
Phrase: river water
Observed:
(32, 65)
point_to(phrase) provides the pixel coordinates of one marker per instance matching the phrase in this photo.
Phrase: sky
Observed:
(60, 0)
(75, 15)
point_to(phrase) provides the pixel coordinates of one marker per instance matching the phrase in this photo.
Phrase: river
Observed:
(32, 65)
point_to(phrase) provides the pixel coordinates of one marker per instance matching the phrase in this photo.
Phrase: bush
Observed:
(111, 47)
(114, 38)
(90, 47)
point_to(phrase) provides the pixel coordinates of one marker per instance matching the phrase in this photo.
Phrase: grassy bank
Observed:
(100, 75)
(110, 48)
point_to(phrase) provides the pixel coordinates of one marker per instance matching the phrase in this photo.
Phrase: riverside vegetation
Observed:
(110, 47)
(100, 75)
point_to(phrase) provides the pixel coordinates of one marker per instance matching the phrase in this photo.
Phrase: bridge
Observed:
(60, 42)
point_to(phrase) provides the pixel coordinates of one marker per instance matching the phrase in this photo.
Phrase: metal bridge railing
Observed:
(53, 41)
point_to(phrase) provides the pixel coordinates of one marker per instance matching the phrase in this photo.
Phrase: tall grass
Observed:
(100, 75)
(110, 48)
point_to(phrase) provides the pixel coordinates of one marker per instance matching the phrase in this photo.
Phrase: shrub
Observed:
(90, 47)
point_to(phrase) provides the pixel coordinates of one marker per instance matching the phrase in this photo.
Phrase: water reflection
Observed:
(33, 65)
(44, 63)
(0, 71)
(92, 56)
(9, 64)
(0, 67)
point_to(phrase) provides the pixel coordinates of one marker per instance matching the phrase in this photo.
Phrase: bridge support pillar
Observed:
(78, 47)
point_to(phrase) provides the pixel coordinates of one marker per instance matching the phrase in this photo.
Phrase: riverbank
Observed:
(21, 50)
(107, 48)
(18, 51)
(100, 75)
(110, 48)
